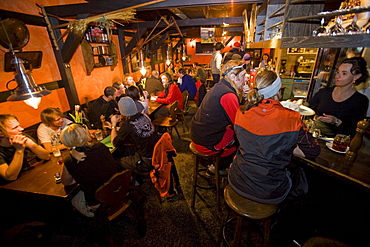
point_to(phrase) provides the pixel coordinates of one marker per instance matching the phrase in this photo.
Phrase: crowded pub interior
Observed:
(184, 123)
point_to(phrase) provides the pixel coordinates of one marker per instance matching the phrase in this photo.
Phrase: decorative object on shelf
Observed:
(26, 89)
(366, 28)
(337, 28)
(103, 21)
(353, 28)
(321, 30)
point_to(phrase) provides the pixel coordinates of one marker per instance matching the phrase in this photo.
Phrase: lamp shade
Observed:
(27, 88)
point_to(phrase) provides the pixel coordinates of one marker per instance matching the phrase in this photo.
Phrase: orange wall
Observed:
(87, 86)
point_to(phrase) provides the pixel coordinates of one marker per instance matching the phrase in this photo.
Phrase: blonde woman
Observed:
(89, 165)
(212, 126)
(267, 134)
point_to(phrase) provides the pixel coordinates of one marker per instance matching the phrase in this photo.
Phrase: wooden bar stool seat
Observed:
(216, 162)
(247, 210)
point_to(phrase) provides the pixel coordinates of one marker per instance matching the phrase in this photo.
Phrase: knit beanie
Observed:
(247, 57)
(127, 106)
(236, 44)
(236, 57)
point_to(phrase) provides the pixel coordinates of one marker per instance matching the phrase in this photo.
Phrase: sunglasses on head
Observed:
(236, 67)
(81, 124)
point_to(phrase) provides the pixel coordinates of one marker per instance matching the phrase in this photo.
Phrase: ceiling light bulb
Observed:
(168, 62)
(33, 102)
(143, 71)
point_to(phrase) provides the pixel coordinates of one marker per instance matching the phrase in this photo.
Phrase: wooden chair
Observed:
(181, 112)
(116, 196)
(170, 121)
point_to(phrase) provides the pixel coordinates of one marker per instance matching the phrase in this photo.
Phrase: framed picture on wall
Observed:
(207, 35)
(257, 53)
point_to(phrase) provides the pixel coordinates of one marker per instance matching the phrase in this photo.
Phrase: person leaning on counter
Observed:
(268, 135)
(14, 146)
(339, 108)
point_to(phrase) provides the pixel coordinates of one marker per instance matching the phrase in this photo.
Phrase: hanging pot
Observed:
(13, 34)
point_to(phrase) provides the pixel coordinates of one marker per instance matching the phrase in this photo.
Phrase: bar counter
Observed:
(336, 165)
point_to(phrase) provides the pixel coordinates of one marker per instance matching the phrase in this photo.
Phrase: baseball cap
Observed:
(247, 57)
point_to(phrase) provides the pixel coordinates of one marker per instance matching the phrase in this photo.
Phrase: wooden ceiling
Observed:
(189, 14)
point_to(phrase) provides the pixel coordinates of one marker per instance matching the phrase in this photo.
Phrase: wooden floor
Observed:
(331, 209)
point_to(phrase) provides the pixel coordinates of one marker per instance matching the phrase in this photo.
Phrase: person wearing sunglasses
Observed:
(89, 165)
(212, 126)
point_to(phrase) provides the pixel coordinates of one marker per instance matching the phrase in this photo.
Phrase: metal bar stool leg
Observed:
(217, 175)
(195, 177)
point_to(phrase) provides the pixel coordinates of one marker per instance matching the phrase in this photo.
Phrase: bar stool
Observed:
(247, 210)
(216, 161)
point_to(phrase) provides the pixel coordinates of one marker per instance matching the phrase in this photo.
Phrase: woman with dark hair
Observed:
(141, 105)
(339, 108)
(265, 61)
(170, 94)
(268, 133)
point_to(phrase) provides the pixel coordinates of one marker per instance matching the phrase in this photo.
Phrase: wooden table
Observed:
(335, 164)
(39, 181)
(153, 107)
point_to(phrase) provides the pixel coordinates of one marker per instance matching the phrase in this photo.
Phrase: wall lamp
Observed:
(26, 90)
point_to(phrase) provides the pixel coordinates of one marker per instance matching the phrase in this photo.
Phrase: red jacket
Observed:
(174, 94)
(160, 175)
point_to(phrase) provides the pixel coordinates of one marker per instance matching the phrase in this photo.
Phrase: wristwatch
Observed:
(113, 127)
(336, 121)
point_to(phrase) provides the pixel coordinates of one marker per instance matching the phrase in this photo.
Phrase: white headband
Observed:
(271, 90)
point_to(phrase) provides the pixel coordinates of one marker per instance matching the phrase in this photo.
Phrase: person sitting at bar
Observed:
(153, 85)
(212, 126)
(105, 106)
(339, 108)
(137, 129)
(48, 132)
(89, 165)
(200, 73)
(170, 94)
(141, 105)
(14, 148)
(267, 133)
(129, 81)
(187, 83)
(265, 61)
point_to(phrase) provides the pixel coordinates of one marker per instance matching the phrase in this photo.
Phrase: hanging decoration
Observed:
(169, 54)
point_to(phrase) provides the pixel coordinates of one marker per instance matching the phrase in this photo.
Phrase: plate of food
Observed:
(296, 105)
(330, 146)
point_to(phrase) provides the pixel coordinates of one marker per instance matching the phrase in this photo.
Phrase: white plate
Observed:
(330, 146)
(327, 139)
(306, 111)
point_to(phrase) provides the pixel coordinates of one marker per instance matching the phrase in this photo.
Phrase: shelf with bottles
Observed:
(97, 34)
(303, 51)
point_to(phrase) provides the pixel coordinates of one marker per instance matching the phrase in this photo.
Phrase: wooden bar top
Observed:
(336, 165)
(39, 181)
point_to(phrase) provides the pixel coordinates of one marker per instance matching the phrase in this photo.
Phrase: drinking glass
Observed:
(98, 135)
(341, 142)
(321, 30)
(56, 151)
(337, 29)
(366, 28)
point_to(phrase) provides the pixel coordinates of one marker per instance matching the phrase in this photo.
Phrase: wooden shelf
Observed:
(306, 2)
(260, 32)
(330, 15)
(262, 23)
(275, 25)
(276, 12)
(356, 40)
